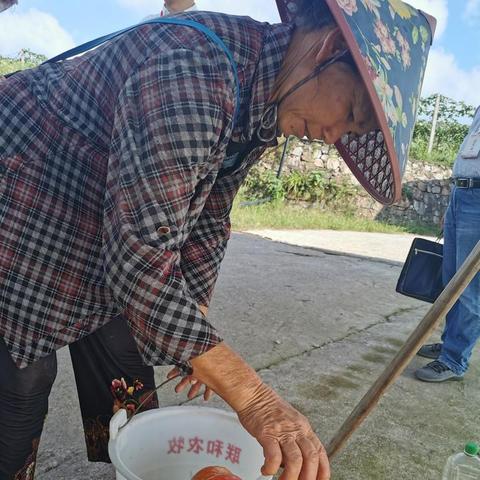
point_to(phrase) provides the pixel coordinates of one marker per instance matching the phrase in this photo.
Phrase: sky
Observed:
(52, 26)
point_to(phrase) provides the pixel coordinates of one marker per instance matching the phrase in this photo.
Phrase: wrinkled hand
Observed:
(196, 385)
(286, 437)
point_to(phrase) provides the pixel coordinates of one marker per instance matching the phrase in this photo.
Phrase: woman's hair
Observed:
(313, 15)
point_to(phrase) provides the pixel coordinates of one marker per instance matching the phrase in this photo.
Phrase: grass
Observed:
(278, 215)
(443, 156)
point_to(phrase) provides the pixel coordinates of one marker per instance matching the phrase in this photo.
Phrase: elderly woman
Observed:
(118, 170)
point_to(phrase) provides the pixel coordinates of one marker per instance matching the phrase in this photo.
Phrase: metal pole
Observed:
(437, 311)
(282, 159)
(434, 124)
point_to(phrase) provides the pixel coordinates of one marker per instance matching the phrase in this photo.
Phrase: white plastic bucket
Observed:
(173, 443)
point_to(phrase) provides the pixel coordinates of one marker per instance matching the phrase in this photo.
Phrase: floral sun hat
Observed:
(389, 41)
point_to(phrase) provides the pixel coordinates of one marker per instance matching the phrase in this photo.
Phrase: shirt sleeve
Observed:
(169, 118)
(205, 247)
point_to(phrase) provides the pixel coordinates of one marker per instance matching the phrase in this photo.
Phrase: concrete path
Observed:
(384, 246)
(320, 328)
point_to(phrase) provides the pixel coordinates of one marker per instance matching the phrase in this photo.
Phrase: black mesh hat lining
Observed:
(367, 157)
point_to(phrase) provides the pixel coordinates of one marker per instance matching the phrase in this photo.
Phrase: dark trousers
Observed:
(97, 359)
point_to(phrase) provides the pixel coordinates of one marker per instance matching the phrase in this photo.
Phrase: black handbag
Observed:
(421, 275)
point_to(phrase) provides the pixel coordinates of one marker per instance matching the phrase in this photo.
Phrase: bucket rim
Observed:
(120, 418)
(162, 411)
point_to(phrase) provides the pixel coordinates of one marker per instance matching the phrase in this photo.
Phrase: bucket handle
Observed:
(117, 422)
(121, 421)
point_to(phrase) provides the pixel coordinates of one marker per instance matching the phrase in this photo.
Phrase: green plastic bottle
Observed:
(464, 465)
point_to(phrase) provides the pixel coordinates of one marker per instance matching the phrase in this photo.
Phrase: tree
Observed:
(452, 127)
(450, 110)
(25, 59)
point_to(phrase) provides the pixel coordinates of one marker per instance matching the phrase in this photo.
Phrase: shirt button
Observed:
(164, 230)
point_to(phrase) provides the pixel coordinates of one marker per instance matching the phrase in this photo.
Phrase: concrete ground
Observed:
(320, 328)
(370, 245)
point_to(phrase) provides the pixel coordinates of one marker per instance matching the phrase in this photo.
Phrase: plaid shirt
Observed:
(111, 200)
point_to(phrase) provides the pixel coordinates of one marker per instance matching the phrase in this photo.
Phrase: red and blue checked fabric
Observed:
(110, 198)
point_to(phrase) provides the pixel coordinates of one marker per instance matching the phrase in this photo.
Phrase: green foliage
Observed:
(25, 59)
(297, 186)
(311, 186)
(407, 192)
(282, 215)
(449, 136)
(449, 109)
(450, 130)
(264, 185)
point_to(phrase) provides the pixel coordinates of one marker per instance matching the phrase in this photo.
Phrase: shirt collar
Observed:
(276, 41)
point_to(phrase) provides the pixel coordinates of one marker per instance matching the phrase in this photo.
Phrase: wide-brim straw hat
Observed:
(389, 41)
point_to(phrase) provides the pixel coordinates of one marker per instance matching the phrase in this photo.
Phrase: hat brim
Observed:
(394, 191)
(372, 158)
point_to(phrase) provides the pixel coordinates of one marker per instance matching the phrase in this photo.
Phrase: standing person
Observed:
(5, 4)
(461, 234)
(176, 6)
(118, 170)
(171, 7)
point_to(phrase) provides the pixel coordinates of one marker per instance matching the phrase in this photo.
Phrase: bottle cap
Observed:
(472, 449)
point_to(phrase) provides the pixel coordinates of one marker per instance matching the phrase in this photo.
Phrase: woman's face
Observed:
(328, 106)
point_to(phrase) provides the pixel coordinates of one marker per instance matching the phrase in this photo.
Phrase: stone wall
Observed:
(426, 187)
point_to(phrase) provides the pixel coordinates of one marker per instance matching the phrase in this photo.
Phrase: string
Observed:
(267, 130)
